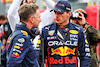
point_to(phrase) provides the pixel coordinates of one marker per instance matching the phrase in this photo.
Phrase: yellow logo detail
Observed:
(8, 41)
(24, 32)
(86, 41)
(17, 47)
(63, 5)
(39, 41)
(63, 51)
(73, 31)
(15, 53)
(37, 45)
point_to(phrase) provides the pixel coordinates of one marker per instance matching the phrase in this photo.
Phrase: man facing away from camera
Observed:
(64, 40)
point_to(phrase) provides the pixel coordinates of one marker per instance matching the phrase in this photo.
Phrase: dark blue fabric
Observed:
(20, 50)
(63, 52)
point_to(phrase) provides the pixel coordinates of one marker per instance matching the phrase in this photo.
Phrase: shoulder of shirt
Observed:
(76, 26)
(48, 26)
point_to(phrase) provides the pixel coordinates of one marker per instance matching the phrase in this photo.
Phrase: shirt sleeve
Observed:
(49, 4)
(13, 16)
(18, 52)
(84, 50)
(47, 16)
(93, 35)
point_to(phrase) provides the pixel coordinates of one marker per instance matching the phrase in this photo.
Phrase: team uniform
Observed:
(20, 50)
(64, 44)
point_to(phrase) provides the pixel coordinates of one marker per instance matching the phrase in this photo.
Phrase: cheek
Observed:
(40, 19)
(64, 17)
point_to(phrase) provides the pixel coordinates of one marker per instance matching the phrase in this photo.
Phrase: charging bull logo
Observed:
(8, 41)
(24, 33)
(63, 51)
(15, 54)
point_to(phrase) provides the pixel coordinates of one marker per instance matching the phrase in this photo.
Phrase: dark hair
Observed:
(3, 17)
(27, 10)
(85, 15)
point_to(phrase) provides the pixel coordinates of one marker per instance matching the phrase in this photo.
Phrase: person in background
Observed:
(46, 17)
(63, 40)
(6, 30)
(93, 35)
(20, 51)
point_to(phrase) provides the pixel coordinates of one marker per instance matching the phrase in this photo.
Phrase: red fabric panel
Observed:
(92, 20)
(92, 15)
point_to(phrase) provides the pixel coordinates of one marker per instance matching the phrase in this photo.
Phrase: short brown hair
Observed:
(27, 10)
(3, 17)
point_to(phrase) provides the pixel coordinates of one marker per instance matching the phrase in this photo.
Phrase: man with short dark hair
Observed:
(63, 40)
(20, 49)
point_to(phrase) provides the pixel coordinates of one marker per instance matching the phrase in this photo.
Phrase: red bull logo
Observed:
(63, 51)
(60, 61)
(24, 32)
(8, 41)
(15, 54)
(61, 4)
(7, 46)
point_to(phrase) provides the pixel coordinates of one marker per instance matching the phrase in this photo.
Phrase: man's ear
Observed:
(31, 19)
(70, 13)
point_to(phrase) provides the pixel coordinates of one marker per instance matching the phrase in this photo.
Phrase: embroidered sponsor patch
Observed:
(65, 33)
(8, 41)
(18, 44)
(63, 51)
(88, 54)
(21, 40)
(66, 29)
(38, 44)
(61, 27)
(17, 50)
(24, 33)
(73, 32)
(15, 54)
(39, 41)
(68, 60)
(7, 46)
(51, 32)
(86, 41)
(54, 37)
(18, 47)
(52, 43)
